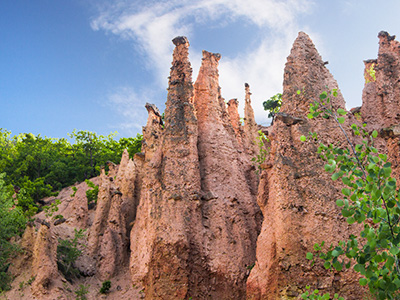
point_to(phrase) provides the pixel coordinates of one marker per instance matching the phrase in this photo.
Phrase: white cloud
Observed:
(130, 106)
(152, 25)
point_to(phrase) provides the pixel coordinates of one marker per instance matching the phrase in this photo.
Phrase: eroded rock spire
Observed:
(230, 216)
(381, 94)
(295, 193)
(250, 125)
(161, 238)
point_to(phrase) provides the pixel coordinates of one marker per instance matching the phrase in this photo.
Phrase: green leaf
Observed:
(327, 265)
(359, 268)
(363, 281)
(303, 138)
(397, 282)
(374, 134)
(335, 176)
(338, 266)
(389, 262)
(323, 95)
(387, 172)
(317, 247)
(350, 220)
(341, 120)
(310, 115)
(394, 250)
(309, 256)
(298, 92)
(346, 191)
(341, 112)
(339, 202)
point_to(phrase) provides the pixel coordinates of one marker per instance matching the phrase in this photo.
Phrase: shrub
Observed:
(92, 193)
(68, 251)
(82, 292)
(12, 223)
(263, 153)
(105, 287)
(273, 105)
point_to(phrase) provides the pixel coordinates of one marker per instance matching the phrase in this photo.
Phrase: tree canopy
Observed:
(38, 166)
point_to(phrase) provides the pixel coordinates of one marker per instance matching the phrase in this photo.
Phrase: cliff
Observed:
(191, 218)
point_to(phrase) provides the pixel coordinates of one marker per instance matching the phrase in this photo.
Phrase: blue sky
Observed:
(92, 65)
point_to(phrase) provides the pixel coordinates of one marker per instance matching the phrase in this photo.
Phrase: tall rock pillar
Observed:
(229, 212)
(296, 195)
(161, 235)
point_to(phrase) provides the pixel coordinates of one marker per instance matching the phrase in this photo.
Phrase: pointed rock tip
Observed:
(209, 54)
(233, 101)
(302, 35)
(152, 107)
(179, 40)
(385, 34)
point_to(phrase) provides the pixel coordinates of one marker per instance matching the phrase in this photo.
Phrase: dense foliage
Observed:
(33, 167)
(68, 251)
(273, 105)
(38, 166)
(369, 197)
(12, 222)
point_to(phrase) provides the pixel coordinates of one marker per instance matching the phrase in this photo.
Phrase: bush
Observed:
(92, 193)
(12, 223)
(105, 287)
(68, 251)
(273, 105)
(82, 292)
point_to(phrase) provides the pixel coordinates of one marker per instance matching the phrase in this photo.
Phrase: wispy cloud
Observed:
(152, 26)
(129, 105)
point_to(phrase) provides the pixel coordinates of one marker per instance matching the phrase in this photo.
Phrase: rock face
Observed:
(193, 235)
(230, 216)
(296, 195)
(381, 95)
(162, 233)
(116, 209)
(250, 125)
(44, 265)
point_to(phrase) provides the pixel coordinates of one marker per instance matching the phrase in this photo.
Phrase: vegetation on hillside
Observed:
(33, 167)
(38, 166)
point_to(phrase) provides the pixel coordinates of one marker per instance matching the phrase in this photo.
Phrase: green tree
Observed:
(68, 251)
(369, 197)
(38, 166)
(273, 105)
(12, 223)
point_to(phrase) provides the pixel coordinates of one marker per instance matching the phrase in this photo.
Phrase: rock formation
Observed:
(44, 265)
(381, 98)
(184, 218)
(234, 117)
(250, 125)
(187, 211)
(229, 216)
(296, 195)
(381, 95)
